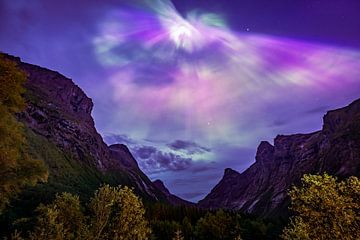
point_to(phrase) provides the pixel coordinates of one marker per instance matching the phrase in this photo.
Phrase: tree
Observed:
(17, 167)
(118, 214)
(61, 220)
(178, 235)
(187, 228)
(219, 225)
(325, 209)
(114, 214)
(164, 229)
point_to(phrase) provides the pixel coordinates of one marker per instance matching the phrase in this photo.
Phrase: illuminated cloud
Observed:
(157, 157)
(188, 147)
(153, 160)
(205, 78)
(191, 77)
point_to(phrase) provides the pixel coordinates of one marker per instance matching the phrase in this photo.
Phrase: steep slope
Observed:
(262, 188)
(61, 131)
(173, 199)
(125, 159)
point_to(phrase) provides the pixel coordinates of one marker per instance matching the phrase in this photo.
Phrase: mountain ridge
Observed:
(58, 115)
(262, 188)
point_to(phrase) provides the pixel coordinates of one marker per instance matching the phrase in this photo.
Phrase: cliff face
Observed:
(262, 188)
(58, 114)
(60, 111)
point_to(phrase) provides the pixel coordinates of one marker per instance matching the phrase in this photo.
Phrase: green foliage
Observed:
(66, 174)
(187, 228)
(165, 220)
(325, 208)
(114, 213)
(259, 229)
(117, 214)
(17, 167)
(164, 229)
(219, 225)
(62, 219)
(11, 86)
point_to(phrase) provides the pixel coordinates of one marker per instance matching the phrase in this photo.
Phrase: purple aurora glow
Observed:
(189, 94)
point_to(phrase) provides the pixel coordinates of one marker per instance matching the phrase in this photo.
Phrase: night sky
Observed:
(192, 87)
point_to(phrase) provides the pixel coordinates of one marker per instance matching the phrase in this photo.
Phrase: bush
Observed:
(325, 209)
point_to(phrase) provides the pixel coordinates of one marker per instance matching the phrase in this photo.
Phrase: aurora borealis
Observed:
(188, 92)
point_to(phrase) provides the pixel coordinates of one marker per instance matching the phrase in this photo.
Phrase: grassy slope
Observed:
(66, 174)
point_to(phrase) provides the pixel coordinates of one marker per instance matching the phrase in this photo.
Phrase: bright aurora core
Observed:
(191, 95)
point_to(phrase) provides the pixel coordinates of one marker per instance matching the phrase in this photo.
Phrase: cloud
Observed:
(153, 160)
(278, 123)
(145, 152)
(202, 168)
(188, 147)
(155, 157)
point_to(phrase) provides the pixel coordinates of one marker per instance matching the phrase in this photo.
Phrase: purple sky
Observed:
(193, 86)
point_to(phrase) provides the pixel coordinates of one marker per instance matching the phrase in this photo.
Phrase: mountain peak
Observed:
(265, 152)
(230, 171)
(161, 186)
(123, 156)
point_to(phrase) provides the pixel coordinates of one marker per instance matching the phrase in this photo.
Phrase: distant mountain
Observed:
(262, 188)
(60, 131)
(173, 199)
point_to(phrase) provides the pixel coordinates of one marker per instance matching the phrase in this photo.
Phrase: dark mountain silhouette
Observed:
(262, 188)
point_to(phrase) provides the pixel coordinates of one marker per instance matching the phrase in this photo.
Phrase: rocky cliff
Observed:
(61, 131)
(262, 188)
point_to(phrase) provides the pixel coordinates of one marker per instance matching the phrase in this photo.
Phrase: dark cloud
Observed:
(145, 152)
(153, 160)
(278, 123)
(188, 147)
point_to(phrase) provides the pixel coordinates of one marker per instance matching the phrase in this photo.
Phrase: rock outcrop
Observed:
(60, 112)
(171, 198)
(262, 188)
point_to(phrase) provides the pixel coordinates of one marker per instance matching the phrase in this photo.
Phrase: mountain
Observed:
(171, 198)
(60, 131)
(262, 188)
